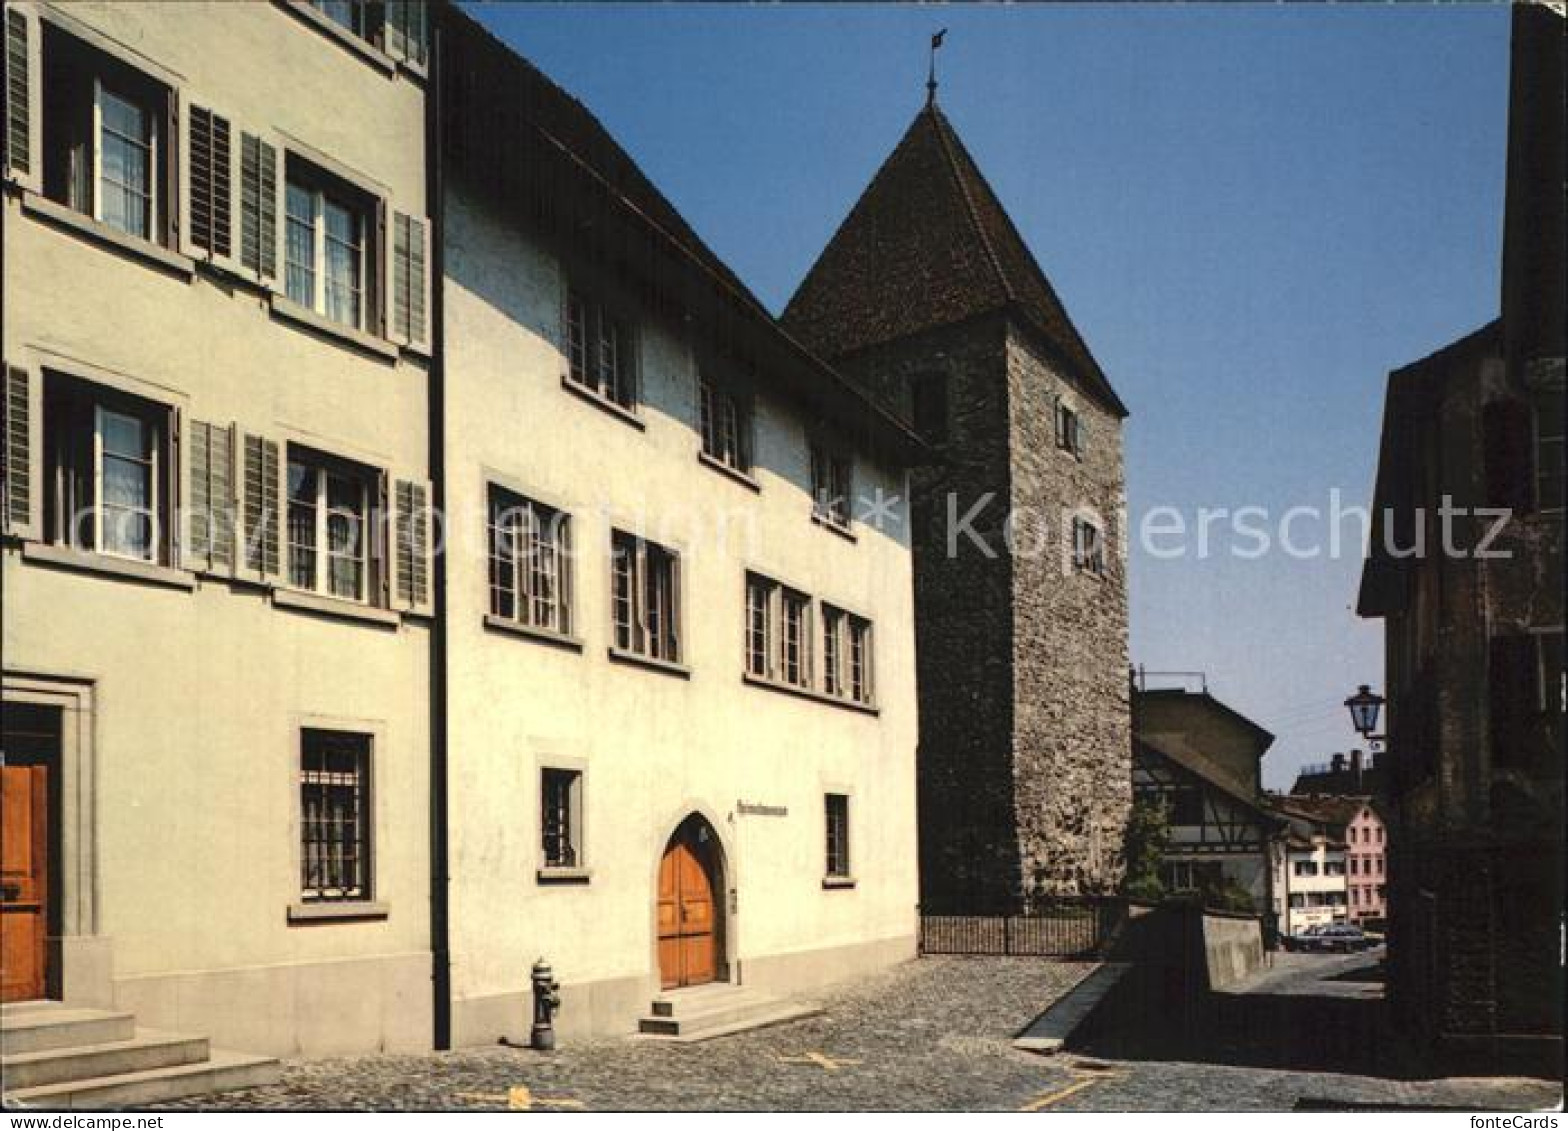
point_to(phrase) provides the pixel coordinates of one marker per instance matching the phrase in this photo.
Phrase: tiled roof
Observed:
(929, 244)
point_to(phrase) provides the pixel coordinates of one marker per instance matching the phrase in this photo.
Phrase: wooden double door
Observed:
(690, 890)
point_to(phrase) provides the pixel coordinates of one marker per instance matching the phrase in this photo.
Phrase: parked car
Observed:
(1337, 938)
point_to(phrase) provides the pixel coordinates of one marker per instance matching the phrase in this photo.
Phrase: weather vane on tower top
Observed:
(936, 41)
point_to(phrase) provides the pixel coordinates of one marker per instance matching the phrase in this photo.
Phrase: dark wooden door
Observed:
(24, 880)
(688, 941)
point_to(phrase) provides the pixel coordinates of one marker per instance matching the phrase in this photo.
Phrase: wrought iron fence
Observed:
(1077, 928)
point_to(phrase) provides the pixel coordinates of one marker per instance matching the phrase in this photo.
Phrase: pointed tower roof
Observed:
(928, 244)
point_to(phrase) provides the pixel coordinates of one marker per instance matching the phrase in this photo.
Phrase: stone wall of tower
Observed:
(969, 845)
(1072, 729)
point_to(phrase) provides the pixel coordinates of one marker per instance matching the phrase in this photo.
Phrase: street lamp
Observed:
(1364, 706)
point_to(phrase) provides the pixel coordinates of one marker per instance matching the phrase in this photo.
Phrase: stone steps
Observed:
(59, 1056)
(718, 1009)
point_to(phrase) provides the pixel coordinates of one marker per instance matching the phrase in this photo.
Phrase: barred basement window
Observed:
(645, 597)
(837, 813)
(831, 485)
(725, 424)
(600, 351)
(335, 816)
(530, 562)
(1088, 547)
(560, 794)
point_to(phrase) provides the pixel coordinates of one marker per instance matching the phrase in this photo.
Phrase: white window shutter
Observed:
(412, 535)
(22, 435)
(260, 217)
(210, 519)
(23, 98)
(207, 160)
(261, 550)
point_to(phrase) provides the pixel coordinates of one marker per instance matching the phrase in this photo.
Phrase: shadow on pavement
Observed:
(1162, 1011)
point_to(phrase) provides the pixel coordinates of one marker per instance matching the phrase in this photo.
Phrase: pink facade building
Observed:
(1366, 876)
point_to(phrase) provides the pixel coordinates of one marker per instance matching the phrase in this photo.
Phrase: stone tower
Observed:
(928, 296)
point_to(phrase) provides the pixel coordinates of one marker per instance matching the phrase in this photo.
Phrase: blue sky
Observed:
(1252, 214)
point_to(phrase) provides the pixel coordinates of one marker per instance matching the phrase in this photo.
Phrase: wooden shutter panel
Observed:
(210, 521)
(261, 509)
(23, 99)
(258, 206)
(411, 529)
(410, 280)
(23, 453)
(210, 176)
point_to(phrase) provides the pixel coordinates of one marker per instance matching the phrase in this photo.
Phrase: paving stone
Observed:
(931, 1035)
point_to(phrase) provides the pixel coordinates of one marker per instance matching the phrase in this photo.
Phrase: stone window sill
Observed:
(735, 473)
(552, 875)
(809, 693)
(67, 557)
(347, 911)
(529, 632)
(290, 311)
(637, 659)
(147, 251)
(614, 408)
(838, 883)
(335, 607)
(829, 523)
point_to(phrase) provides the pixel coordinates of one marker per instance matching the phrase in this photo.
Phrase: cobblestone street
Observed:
(932, 1035)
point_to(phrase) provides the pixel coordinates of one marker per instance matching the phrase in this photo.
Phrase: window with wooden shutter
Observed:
(411, 545)
(210, 498)
(210, 188)
(18, 94)
(261, 508)
(258, 206)
(408, 279)
(20, 434)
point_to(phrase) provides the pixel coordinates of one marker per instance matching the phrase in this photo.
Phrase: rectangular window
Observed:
(846, 655)
(1549, 470)
(1306, 868)
(725, 418)
(335, 816)
(329, 503)
(760, 634)
(1334, 868)
(560, 818)
(328, 249)
(831, 485)
(837, 813)
(530, 562)
(106, 129)
(1088, 547)
(600, 351)
(645, 597)
(1069, 429)
(108, 462)
(351, 15)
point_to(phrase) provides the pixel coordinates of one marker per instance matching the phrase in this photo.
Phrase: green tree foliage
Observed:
(1148, 833)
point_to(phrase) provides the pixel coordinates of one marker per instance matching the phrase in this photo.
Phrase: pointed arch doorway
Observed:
(691, 907)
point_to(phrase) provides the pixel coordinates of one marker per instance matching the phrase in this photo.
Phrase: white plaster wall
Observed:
(656, 747)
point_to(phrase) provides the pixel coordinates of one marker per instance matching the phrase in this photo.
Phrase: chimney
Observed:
(1337, 763)
(1355, 768)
